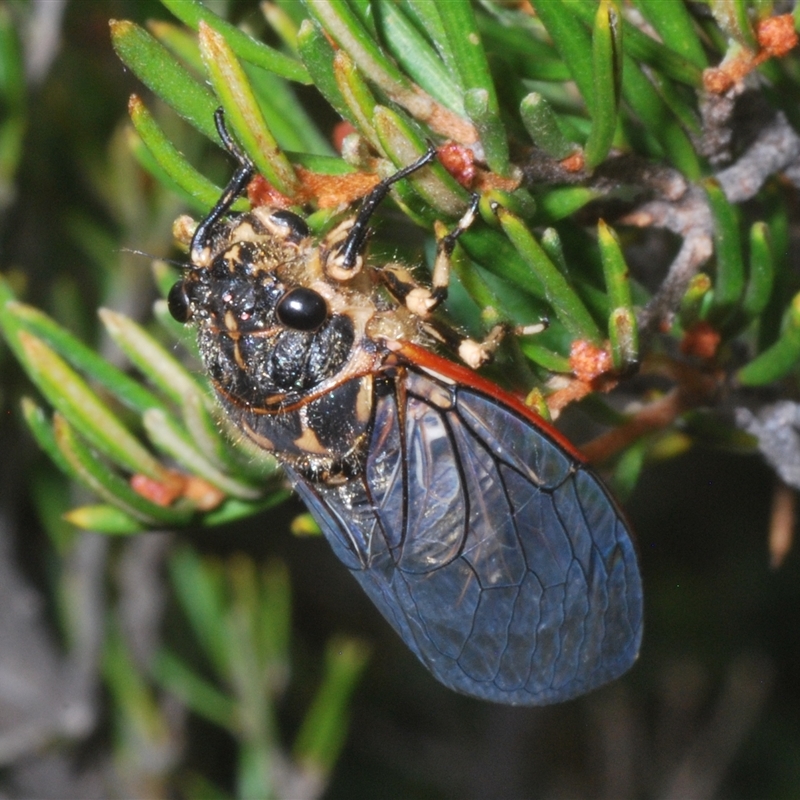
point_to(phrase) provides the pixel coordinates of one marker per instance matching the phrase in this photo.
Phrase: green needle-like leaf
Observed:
(150, 165)
(42, 429)
(676, 29)
(429, 20)
(572, 41)
(202, 697)
(778, 359)
(150, 357)
(493, 251)
(174, 165)
(561, 296)
(366, 15)
(274, 620)
(68, 393)
(480, 98)
(109, 486)
(528, 55)
(234, 509)
(638, 45)
(284, 24)
(519, 202)
(243, 112)
(318, 55)
(106, 519)
(615, 269)
(19, 316)
(729, 284)
(193, 12)
(324, 728)
(13, 85)
(204, 429)
(694, 300)
(293, 128)
(629, 468)
(622, 328)
(607, 80)
(180, 40)
(158, 69)
(338, 20)
(762, 272)
(623, 333)
(679, 102)
(554, 247)
(552, 362)
(345, 27)
(555, 204)
(542, 125)
(358, 99)
(654, 114)
(412, 51)
(402, 143)
(479, 108)
(199, 587)
(134, 703)
(173, 441)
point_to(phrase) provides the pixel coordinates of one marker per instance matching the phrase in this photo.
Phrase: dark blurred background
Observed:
(711, 709)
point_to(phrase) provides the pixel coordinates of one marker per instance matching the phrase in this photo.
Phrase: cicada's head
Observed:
(266, 337)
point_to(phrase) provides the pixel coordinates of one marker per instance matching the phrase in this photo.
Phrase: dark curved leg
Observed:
(235, 188)
(356, 239)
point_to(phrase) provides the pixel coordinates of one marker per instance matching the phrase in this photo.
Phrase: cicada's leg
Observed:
(445, 244)
(474, 353)
(423, 301)
(347, 244)
(200, 251)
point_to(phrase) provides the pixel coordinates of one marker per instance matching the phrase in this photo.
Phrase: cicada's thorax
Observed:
(291, 352)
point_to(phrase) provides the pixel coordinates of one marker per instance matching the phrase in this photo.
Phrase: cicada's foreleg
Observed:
(200, 250)
(346, 244)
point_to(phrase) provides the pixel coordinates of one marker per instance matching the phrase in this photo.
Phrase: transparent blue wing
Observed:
(500, 560)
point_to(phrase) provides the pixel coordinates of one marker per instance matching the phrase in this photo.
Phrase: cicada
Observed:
(475, 527)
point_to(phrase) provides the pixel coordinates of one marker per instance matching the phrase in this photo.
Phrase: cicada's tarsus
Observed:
(476, 529)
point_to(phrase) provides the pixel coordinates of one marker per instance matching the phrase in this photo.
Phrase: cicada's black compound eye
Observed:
(293, 226)
(178, 302)
(302, 309)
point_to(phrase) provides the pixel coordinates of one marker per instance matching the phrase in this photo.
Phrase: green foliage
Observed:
(570, 114)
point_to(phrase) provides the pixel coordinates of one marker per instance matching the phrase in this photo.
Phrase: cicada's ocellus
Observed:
(476, 529)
